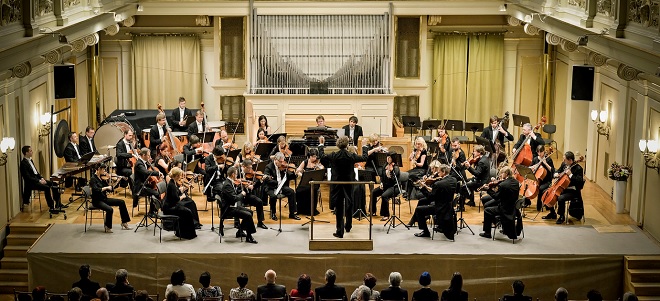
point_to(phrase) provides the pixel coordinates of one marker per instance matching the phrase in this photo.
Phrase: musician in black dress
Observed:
(370, 149)
(388, 188)
(172, 205)
(232, 199)
(418, 162)
(87, 142)
(276, 175)
(158, 134)
(353, 130)
(216, 166)
(574, 190)
(32, 180)
(162, 160)
(125, 149)
(199, 126)
(179, 116)
(100, 199)
(505, 195)
(303, 192)
(534, 140)
(441, 196)
(481, 174)
(142, 171)
(193, 151)
(543, 161)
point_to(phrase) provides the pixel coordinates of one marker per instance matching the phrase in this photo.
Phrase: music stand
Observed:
(364, 175)
(380, 159)
(273, 138)
(261, 166)
(190, 166)
(431, 125)
(312, 175)
(487, 144)
(520, 120)
(84, 159)
(190, 120)
(233, 154)
(454, 125)
(298, 148)
(206, 137)
(411, 122)
(474, 127)
(263, 150)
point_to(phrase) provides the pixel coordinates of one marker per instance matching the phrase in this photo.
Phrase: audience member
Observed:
(171, 296)
(363, 293)
(87, 286)
(74, 294)
(594, 295)
(143, 295)
(39, 293)
(330, 290)
(24, 297)
(207, 290)
(518, 289)
(394, 292)
(241, 292)
(177, 284)
(121, 285)
(271, 289)
(561, 294)
(56, 298)
(455, 291)
(102, 294)
(630, 296)
(304, 288)
(425, 293)
(370, 283)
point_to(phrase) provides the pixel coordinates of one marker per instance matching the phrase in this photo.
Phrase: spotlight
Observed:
(140, 7)
(63, 39)
(503, 7)
(583, 40)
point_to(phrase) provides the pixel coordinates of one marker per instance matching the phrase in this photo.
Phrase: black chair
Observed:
(22, 296)
(499, 220)
(157, 207)
(89, 208)
(219, 298)
(225, 215)
(550, 129)
(122, 297)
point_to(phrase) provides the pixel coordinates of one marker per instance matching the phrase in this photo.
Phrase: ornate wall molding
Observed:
(626, 72)
(597, 59)
(513, 21)
(644, 12)
(91, 39)
(53, 56)
(128, 22)
(10, 12)
(531, 29)
(112, 29)
(552, 39)
(21, 70)
(78, 45)
(567, 45)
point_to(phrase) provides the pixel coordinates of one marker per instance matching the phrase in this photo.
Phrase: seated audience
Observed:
(455, 291)
(425, 293)
(121, 285)
(370, 283)
(561, 294)
(271, 289)
(74, 294)
(330, 290)
(518, 288)
(394, 292)
(103, 294)
(171, 296)
(363, 293)
(207, 290)
(594, 295)
(629, 296)
(142, 295)
(56, 298)
(304, 288)
(177, 284)
(87, 286)
(241, 292)
(39, 293)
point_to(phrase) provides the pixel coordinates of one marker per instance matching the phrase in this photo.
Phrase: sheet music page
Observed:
(279, 185)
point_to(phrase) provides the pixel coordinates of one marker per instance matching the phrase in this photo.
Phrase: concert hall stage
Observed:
(576, 257)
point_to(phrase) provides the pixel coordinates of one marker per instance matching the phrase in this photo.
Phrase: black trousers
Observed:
(107, 207)
(289, 194)
(242, 213)
(343, 206)
(472, 184)
(566, 195)
(50, 189)
(421, 212)
(385, 196)
(144, 191)
(489, 217)
(253, 200)
(421, 203)
(539, 200)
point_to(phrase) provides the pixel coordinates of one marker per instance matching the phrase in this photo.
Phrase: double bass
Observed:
(173, 144)
(563, 180)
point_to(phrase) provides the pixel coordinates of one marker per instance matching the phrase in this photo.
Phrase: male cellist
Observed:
(534, 140)
(575, 174)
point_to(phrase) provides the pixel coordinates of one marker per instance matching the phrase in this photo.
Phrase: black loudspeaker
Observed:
(65, 81)
(582, 87)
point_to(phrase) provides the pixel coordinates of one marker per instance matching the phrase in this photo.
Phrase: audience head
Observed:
(270, 276)
(84, 271)
(518, 287)
(561, 294)
(242, 280)
(56, 298)
(103, 294)
(370, 280)
(594, 295)
(304, 284)
(142, 295)
(630, 296)
(39, 293)
(178, 277)
(363, 293)
(74, 294)
(395, 279)
(205, 279)
(456, 283)
(121, 276)
(330, 275)
(425, 279)
(172, 296)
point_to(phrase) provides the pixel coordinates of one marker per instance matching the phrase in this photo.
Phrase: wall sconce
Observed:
(649, 149)
(46, 121)
(502, 7)
(603, 128)
(6, 145)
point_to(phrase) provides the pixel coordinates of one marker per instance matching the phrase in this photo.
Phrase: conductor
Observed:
(341, 163)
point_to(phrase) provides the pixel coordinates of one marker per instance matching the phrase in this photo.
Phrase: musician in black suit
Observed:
(72, 153)
(125, 150)
(442, 194)
(179, 116)
(342, 163)
(394, 292)
(495, 132)
(100, 199)
(456, 158)
(199, 126)
(158, 133)
(175, 204)
(87, 142)
(193, 151)
(275, 173)
(271, 289)
(216, 166)
(481, 174)
(534, 140)
(330, 290)
(233, 197)
(32, 180)
(547, 164)
(504, 195)
(574, 189)
(353, 130)
(142, 171)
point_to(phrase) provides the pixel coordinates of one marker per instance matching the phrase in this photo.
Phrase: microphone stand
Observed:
(392, 221)
(462, 224)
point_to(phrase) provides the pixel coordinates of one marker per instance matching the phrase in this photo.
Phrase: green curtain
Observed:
(449, 72)
(485, 77)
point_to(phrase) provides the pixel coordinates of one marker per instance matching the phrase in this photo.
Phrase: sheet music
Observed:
(280, 185)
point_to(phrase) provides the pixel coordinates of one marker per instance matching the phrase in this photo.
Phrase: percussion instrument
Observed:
(110, 133)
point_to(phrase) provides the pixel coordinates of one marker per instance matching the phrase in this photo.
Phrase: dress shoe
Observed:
(560, 220)
(485, 234)
(240, 234)
(107, 230)
(54, 211)
(348, 229)
(471, 204)
(262, 226)
(221, 229)
(437, 229)
(250, 239)
(294, 216)
(338, 235)
(273, 216)
(423, 234)
(550, 216)
(384, 218)
(124, 226)
(198, 226)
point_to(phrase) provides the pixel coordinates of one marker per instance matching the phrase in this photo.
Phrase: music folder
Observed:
(190, 120)
(520, 120)
(487, 144)
(84, 159)
(206, 137)
(190, 166)
(264, 149)
(312, 175)
(273, 138)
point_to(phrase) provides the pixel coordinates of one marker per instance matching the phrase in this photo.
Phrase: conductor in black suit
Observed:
(157, 133)
(32, 180)
(504, 195)
(353, 130)
(534, 140)
(442, 194)
(342, 163)
(199, 126)
(330, 290)
(179, 116)
(87, 142)
(271, 289)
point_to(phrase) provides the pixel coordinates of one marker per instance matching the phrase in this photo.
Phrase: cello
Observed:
(539, 172)
(563, 180)
(173, 144)
(523, 154)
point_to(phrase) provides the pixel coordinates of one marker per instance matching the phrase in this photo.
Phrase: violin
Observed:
(490, 185)
(286, 151)
(254, 175)
(454, 157)
(474, 159)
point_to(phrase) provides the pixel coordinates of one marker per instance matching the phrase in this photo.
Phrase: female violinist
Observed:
(175, 204)
(542, 161)
(444, 145)
(263, 124)
(303, 192)
(388, 188)
(162, 159)
(261, 137)
(282, 147)
(370, 147)
(247, 152)
(418, 162)
(100, 187)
